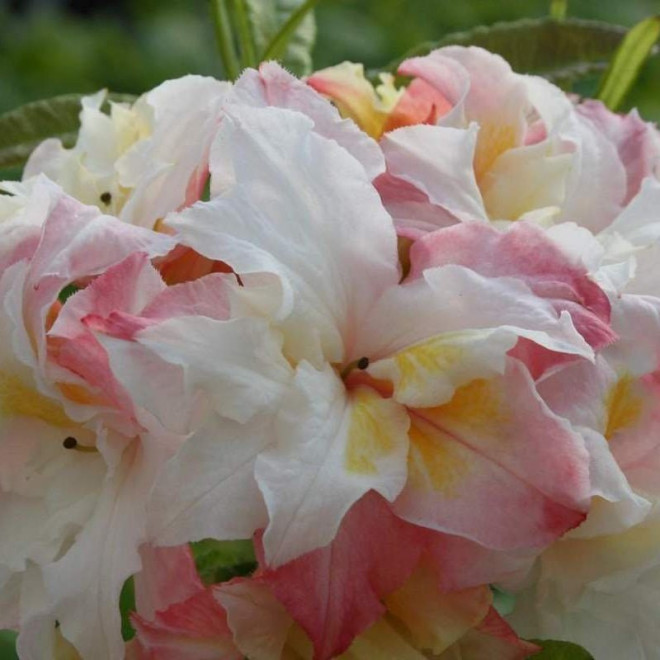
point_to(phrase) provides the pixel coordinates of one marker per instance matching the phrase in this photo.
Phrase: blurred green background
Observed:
(50, 47)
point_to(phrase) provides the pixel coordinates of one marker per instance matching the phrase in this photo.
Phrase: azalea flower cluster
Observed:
(407, 339)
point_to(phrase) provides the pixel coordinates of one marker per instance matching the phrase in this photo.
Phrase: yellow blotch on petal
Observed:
(79, 394)
(436, 460)
(377, 427)
(493, 141)
(479, 404)
(416, 364)
(624, 406)
(18, 399)
(64, 650)
(433, 460)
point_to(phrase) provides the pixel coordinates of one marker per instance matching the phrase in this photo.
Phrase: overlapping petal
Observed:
(73, 485)
(140, 161)
(477, 448)
(331, 447)
(273, 86)
(299, 199)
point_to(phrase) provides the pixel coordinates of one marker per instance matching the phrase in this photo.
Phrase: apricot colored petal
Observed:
(437, 620)
(420, 104)
(346, 85)
(482, 88)
(493, 638)
(447, 77)
(259, 622)
(382, 641)
(496, 93)
(272, 85)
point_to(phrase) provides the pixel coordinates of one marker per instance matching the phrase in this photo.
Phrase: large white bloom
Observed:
(325, 363)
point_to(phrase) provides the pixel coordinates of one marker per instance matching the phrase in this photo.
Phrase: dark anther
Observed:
(70, 443)
(362, 363)
(106, 198)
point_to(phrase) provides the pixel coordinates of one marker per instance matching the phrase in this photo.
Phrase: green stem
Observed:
(625, 66)
(248, 50)
(224, 38)
(558, 9)
(277, 46)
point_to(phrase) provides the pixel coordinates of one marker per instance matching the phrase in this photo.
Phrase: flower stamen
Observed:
(361, 364)
(71, 443)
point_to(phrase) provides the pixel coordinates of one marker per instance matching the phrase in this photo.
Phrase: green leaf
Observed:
(8, 645)
(126, 606)
(10, 174)
(218, 561)
(553, 650)
(627, 62)
(562, 51)
(22, 129)
(284, 30)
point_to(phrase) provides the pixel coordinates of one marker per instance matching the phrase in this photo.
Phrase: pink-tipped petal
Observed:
(526, 253)
(471, 462)
(334, 593)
